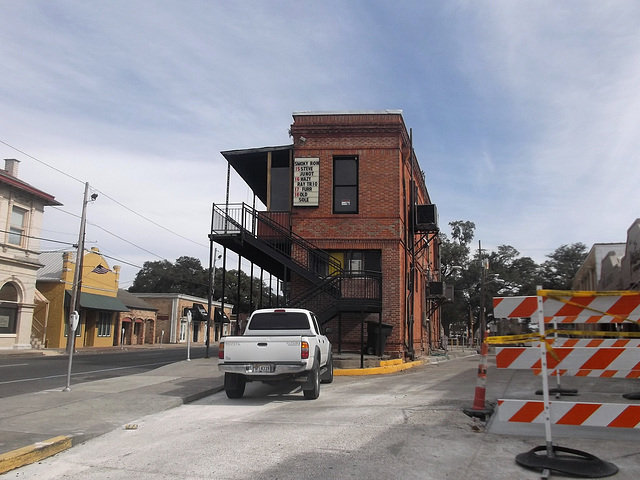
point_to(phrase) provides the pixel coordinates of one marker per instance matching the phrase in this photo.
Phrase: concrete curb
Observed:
(34, 453)
(386, 366)
(200, 395)
(41, 450)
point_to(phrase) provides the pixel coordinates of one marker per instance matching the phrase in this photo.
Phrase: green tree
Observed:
(247, 303)
(509, 274)
(188, 276)
(455, 252)
(185, 276)
(563, 264)
(154, 277)
(459, 269)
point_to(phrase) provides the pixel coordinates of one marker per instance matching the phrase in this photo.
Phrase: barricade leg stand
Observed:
(558, 391)
(480, 409)
(566, 461)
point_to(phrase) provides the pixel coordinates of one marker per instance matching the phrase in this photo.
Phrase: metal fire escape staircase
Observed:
(266, 239)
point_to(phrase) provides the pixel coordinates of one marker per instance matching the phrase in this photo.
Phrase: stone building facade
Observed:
(21, 211)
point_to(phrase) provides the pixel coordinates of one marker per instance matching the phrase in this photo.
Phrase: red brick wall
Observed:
(381, 144)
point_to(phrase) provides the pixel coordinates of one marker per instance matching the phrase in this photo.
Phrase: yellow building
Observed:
(99, 304)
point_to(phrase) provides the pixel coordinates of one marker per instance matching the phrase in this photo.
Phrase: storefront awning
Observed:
(97, 302)
(217, 318)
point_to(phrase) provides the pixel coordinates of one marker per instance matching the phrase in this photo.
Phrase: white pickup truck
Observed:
(277, 344)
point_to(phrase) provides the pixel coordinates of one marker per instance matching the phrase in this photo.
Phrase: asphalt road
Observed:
(26, 373)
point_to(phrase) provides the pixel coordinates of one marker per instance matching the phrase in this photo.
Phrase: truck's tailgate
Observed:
(248, 349)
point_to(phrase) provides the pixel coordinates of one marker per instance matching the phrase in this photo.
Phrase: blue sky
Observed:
(525, 114)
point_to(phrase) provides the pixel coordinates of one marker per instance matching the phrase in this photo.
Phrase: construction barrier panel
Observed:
(602, 357)
(588, 414)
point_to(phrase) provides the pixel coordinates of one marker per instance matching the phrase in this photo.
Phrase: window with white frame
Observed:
(19, 217)
(104, 324)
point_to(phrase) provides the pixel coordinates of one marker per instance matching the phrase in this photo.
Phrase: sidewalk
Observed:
(36, 425)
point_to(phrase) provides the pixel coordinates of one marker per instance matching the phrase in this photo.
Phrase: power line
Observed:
(127, 241)
(43, 163)
(39, 238)
(110, 198)
(151, 221)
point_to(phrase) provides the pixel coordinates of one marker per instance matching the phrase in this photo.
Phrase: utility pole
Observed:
(412, 251)
(74, 308)
(483, 281)
(210, 285)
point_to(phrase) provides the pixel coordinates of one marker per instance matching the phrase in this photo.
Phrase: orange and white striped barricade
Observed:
(561, 307)
(588, 414)
(576, 361)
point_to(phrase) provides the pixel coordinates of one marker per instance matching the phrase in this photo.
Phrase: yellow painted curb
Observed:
(387, 363)
(392, 366)
(33, 453)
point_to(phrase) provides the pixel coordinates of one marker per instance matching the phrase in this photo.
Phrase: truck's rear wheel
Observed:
(327, 376)
(234, 385)
(314, 383)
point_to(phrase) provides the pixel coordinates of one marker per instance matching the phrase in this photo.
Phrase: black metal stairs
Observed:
(266, 239)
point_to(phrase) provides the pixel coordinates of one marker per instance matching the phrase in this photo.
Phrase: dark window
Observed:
(279, 321)
(373, 260)
(280, 197)
(280, 185)
(363, 260)
(8, 316)
(8, 308)
(345, 185)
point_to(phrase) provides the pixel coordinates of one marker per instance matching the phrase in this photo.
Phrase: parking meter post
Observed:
(73, 323)
(189, 336)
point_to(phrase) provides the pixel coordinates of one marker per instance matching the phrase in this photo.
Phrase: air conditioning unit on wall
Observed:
(436, 289)
(426, 219)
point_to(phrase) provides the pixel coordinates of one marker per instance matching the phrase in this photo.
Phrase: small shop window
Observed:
(104, 324)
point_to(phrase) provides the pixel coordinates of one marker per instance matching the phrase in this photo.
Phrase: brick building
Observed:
(138, 325)
(171, 324)
(349, 229)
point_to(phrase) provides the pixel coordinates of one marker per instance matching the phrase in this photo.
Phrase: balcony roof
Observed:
(251, 165)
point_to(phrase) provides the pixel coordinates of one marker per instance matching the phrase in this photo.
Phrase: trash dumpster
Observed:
(377, 335)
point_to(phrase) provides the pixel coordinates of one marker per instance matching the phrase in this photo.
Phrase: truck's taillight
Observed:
(304, 349)
(221, 351)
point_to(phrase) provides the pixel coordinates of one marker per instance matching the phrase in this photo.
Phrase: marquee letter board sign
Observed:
(306, 182)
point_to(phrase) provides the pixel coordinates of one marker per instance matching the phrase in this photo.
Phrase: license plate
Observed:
(262, 368)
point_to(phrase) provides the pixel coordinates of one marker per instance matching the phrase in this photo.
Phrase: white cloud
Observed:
(525, 114)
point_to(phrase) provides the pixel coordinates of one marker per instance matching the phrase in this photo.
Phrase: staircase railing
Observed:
(345, 289)
(270, 228)
(334, 286)
(320, 296)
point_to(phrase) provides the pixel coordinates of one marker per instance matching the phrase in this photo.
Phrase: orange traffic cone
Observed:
(479, 408)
